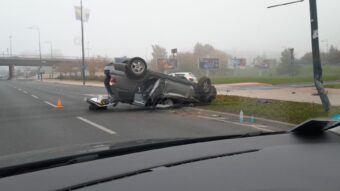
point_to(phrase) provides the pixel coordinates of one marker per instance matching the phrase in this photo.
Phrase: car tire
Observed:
(208, 98)
(136, 68)
(205, 85)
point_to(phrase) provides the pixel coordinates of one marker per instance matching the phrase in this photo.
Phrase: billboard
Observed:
(209, 63)
(167, 64)
(237, 63)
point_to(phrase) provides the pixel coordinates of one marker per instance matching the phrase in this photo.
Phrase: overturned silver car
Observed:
(131, 82)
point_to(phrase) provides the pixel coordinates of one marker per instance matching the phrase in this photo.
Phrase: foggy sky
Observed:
(129, 27)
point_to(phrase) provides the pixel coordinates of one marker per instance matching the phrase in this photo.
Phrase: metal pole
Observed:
(51, 46)
(10, 45)
(316, 56)
(38, 29)
(82, 41)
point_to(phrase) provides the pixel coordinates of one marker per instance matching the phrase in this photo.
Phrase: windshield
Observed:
(91, 73)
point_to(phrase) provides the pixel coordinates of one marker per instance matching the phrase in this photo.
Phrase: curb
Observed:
(235, 115)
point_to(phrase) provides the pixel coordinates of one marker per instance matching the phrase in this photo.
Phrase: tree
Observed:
(207, 50)
(330, 57)
(287, 67)
(186, 61)
(201, 50)
(333, 55)
(306, 59)
(157, 53)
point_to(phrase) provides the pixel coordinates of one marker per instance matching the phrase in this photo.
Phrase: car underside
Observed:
(148, 88)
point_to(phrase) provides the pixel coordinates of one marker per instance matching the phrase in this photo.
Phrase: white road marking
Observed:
(19, 89)
(25, 92)
(51, 104)
(36, 97)
(96, 125)
(259, 127)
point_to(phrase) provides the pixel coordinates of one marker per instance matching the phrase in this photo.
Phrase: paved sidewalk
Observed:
(297, 94)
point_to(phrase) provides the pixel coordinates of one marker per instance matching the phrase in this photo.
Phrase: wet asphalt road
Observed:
(29, 120)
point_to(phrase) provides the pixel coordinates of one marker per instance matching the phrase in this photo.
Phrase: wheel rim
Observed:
(137, 67)
(206, 86)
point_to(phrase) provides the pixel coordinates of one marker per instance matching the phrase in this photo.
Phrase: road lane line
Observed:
(25, 92)
(51, 104)
(97, 126)
(36, 97)
(235, 123)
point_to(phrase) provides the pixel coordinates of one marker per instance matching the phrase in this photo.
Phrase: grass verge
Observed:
(272, 80)
(285, 111)
(335, 86)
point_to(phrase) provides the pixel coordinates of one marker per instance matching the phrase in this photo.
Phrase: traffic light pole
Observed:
(316, 56)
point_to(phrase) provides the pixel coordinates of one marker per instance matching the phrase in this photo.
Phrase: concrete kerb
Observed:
(235, 115)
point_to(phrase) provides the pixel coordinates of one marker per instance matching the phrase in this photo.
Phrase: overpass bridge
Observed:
(11, 62)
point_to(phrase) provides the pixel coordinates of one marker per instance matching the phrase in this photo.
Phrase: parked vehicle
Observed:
(185, 75)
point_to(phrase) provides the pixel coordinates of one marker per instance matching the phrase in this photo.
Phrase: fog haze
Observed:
(130, 27)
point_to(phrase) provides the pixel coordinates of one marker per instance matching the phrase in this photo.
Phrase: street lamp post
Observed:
(38, 30)
(82, 41)
(10, 45)
(51, 46)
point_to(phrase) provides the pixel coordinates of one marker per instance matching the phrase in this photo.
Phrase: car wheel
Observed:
(136, 68)
(210, 96)
(205, 84)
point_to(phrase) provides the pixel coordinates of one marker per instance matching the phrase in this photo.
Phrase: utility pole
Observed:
(38, 30)
(51, 47)
(316, 55)
(291, 56)
(10, 45)
(317, 68)
(82, 41)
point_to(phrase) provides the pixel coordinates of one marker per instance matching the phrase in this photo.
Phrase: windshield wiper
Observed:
(118, 150)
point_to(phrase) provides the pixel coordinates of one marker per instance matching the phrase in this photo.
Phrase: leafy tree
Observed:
(207, 50)
(201, 50)
(286, 66)
(333, 55)
(157, 53)
(306, 59)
